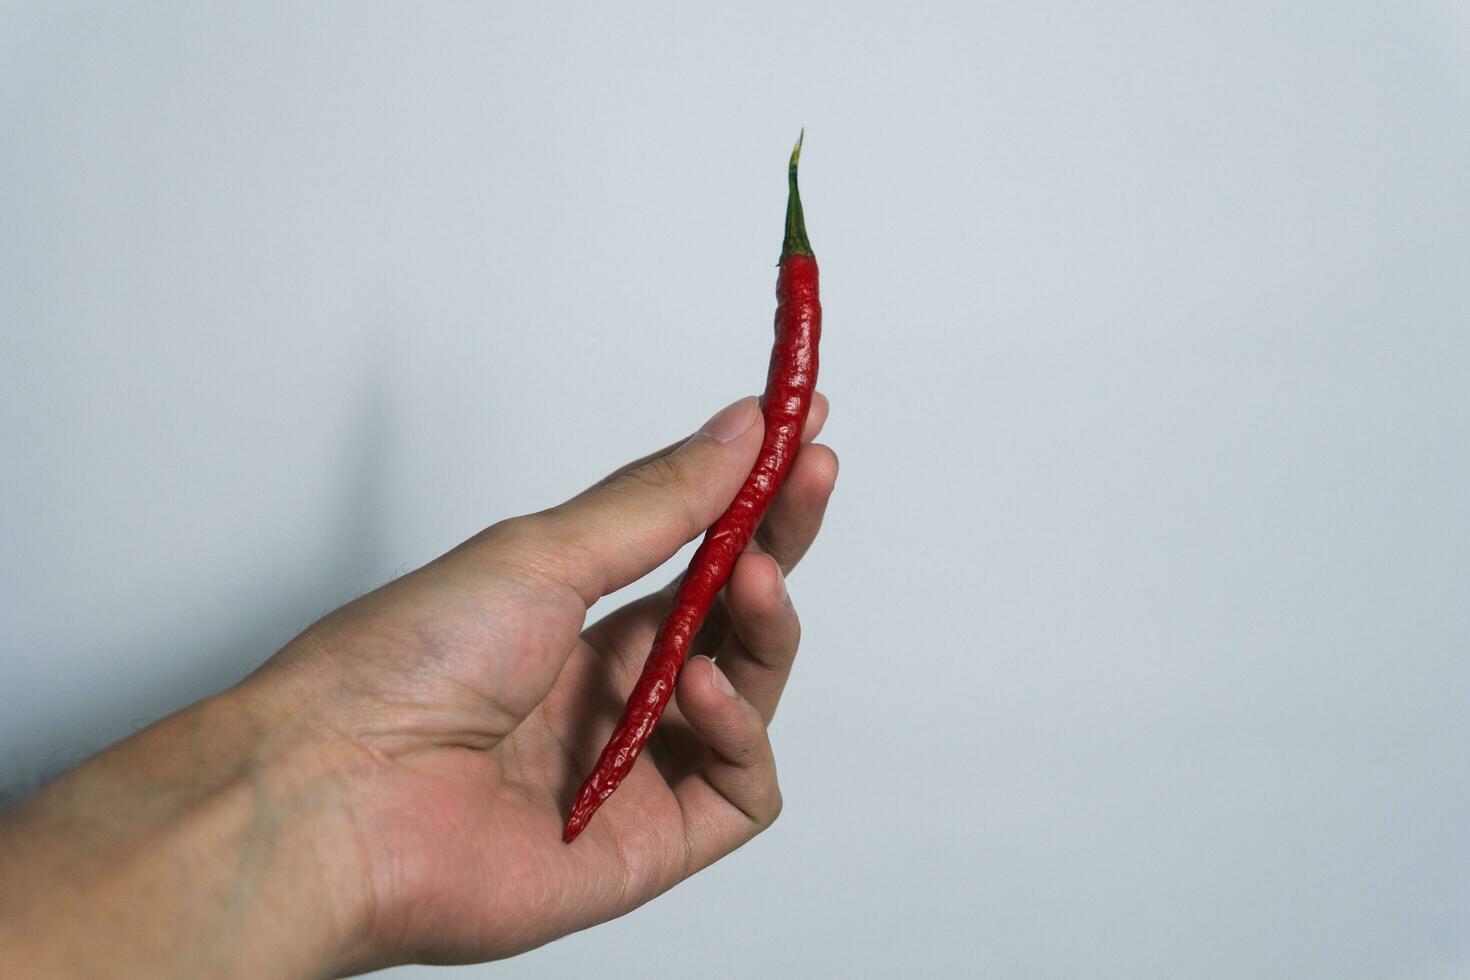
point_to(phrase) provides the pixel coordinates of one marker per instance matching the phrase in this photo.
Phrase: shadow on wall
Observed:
(354, 560)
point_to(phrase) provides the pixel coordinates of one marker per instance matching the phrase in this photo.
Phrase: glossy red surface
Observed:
(790, 382)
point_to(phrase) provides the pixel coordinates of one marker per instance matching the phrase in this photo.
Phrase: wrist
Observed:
(296, 788)
(216, 842)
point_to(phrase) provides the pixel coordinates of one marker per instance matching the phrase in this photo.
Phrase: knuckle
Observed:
(773, 812)
(666, 477)
(518, 546)
(743, 753)
(659, 472)
(773, 651)
(514, 533)
(770, 803)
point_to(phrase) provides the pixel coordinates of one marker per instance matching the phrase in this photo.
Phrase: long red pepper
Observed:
(788, 397)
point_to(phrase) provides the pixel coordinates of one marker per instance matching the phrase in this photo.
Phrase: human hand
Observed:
(462, 704)
(391, 785)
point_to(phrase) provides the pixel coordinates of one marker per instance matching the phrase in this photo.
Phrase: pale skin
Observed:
(391, 786)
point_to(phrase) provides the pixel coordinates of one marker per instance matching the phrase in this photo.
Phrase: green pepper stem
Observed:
(796, 242)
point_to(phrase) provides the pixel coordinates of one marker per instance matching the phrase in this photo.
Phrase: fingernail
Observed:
(719, 681)
(781, 592)
(731, 420)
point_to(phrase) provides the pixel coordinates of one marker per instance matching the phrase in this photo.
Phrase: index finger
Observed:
(815, 419)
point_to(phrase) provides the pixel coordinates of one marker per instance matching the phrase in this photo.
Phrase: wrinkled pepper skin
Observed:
(790, 383)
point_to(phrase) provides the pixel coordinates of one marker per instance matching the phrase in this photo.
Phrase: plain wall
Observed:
(1136, 640)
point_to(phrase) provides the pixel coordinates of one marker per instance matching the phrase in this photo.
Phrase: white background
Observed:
(1136, 640)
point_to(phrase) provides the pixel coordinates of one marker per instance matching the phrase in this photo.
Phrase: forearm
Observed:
(209, 844)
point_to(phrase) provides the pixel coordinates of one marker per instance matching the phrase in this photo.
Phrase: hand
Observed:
(462, 708)
(391, 786)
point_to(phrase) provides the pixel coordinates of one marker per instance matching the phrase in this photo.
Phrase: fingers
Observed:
(735, 795)
(815, 419)
(757, 657)
(786, 533)
(618, 531)
(622, 528)
(796, 514)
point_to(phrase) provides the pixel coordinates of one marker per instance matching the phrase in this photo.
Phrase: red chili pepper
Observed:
(788, 397)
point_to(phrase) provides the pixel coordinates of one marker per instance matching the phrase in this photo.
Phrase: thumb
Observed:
(620, 530)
